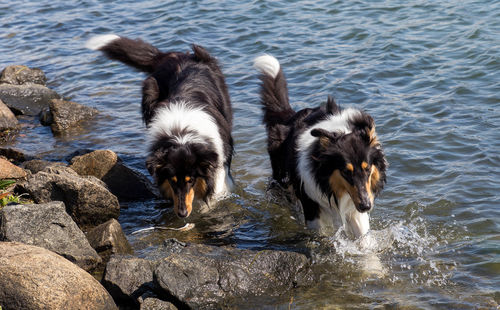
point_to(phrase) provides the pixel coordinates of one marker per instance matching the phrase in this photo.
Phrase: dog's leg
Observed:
(356, 224)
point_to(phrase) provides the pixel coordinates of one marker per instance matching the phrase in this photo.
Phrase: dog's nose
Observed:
(364, 207)
(182, 212)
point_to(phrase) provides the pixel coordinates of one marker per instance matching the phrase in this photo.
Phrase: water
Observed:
(428, 72)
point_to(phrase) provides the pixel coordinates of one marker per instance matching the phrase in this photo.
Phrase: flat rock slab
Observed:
(33, 278)
(87, 201)
(27, 99)
(48, 226)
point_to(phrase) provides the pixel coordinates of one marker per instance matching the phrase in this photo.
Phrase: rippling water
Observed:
(428, 72)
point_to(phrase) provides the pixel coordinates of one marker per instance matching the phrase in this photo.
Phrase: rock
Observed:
(50, 227)
(27, 99)
(156, 304)
(37, 165)
(33, 278)
(125, 183)
(202, 276)
(66, 114)
(86, 200)
(127, 278)
(18, 75)
(14, 155)
(8, 120)
(10, 171)
(108, 238)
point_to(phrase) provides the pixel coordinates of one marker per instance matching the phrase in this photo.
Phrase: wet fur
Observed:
(186, 107)
(331, 157)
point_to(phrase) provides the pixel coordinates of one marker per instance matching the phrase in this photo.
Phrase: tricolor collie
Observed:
(330, 157)
(187, 111)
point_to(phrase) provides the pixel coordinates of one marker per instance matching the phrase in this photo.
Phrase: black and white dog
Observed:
(331, 157)
(188, 114)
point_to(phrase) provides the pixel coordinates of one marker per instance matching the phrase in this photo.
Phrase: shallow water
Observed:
(428, 72)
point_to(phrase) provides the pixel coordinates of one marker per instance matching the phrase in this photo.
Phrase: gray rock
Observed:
(67, 114)
(27, 99)
(33, 278)
(127, 184)
(37, 165)
(126, 278)
(8, 120)
(87, 201)
(18, 75)
(156, 304)
(202, 276)
(108, 238)
(50, 227)
(15, 155)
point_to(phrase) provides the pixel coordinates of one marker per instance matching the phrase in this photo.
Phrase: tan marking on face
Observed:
(349, 167)
(374, 177)
(189, 201)
(364, 165)
(200, 187)
(187, 179)
(340, 186)
(174, 178)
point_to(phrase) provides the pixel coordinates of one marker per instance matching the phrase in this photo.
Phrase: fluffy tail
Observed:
(135, 53)
(274, 92)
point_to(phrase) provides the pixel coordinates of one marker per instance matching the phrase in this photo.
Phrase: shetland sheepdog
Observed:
(330, 158)
(188, 115)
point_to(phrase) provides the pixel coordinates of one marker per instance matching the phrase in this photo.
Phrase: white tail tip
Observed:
(267, 65)
(98, 42)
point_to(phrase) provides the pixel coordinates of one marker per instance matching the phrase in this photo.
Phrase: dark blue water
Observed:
(428, 72)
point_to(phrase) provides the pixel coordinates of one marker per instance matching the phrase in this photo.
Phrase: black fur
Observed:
(194, 78)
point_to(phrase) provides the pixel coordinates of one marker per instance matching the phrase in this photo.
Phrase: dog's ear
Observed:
(207, 159)
(154, 161)
(325, 137)
(201, 54)
(331, 106)
(364, 126)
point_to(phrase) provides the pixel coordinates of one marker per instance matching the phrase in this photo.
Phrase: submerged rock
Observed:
(108, 239)
(33, 278)
(87, 201)
(66, 114)
(48, 226)
(127, 184)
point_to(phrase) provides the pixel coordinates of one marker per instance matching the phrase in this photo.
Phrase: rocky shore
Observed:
(59, 225)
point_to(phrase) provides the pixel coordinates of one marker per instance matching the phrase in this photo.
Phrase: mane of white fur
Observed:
(180, 115)
(98, 42)
(267, 65)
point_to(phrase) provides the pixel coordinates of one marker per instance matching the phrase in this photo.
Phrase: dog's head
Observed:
(183, 173)
(352, 163)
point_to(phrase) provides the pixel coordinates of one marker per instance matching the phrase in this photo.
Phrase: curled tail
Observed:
(135, 53)
(274, 91)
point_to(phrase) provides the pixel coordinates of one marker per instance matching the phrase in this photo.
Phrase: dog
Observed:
(188, 115)
(330, 158)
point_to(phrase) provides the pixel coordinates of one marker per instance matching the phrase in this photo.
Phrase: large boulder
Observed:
(128, 278)
(108, 239)
(50, 227)
(33, 278)
(8, 120)
(87, 201)
(10, 171)
(63, 115)
(19, 75)
(125, 183)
